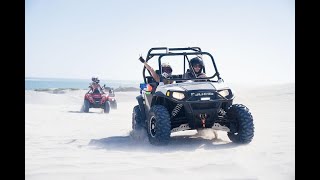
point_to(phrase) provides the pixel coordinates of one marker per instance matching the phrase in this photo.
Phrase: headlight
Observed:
(178, 95)
(224, 93)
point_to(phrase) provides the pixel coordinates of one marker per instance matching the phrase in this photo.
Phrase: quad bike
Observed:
(112, 97)
(189, 103)
(97, 98)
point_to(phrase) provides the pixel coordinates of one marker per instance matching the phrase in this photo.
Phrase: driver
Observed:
(166, 71)
(95, 86)
(197, 67)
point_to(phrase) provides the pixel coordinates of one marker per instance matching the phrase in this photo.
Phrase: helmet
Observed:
(197, 60)
(166, 68)
(95, 79)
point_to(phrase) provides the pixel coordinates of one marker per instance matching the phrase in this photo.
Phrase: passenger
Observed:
(166, 71)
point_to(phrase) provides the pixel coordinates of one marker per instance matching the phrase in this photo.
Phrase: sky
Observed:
(252, 41)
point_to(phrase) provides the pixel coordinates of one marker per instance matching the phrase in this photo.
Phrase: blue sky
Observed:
(252, 41)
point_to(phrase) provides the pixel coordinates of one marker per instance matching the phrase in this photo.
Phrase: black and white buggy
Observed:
(188, 103)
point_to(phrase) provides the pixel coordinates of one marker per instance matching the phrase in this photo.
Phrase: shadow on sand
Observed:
(177, 143)
(83, 112)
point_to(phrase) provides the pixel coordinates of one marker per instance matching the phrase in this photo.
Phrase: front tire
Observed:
(113, 104)
(86, 106)
(106, 107)
(159, 125)
(243, 124)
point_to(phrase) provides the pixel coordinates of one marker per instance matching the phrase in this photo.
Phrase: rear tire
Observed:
(159, 125)
(243, 124)
(137, 122)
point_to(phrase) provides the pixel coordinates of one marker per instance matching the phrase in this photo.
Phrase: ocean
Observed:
(44, 83)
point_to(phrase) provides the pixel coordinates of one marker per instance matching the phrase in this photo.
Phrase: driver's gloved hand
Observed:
(141, 59)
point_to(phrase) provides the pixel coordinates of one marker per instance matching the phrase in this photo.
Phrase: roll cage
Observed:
(177, 52)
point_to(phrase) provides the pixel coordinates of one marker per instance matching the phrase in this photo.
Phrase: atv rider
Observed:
(95, 86)
(197, 66)
(166, 71)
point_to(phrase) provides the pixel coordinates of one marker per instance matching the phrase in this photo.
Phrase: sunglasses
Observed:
(167, 69)
(197, 66)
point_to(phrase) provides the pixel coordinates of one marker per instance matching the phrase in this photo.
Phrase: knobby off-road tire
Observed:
(243, 123)
(137, 121)
(106, 107)
(159, 125)
(86, 106)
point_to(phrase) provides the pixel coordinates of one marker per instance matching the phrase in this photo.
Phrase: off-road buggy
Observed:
(99, 97)
(188, 103)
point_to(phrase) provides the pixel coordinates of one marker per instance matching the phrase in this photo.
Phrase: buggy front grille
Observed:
(209, 105)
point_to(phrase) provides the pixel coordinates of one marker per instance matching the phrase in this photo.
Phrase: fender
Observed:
(141, 106)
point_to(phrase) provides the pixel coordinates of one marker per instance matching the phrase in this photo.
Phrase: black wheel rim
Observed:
(152, 126)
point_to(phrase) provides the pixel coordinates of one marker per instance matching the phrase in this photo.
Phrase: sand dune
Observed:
(63, 143)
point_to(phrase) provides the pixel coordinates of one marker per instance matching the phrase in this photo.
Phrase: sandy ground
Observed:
(63, 143)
